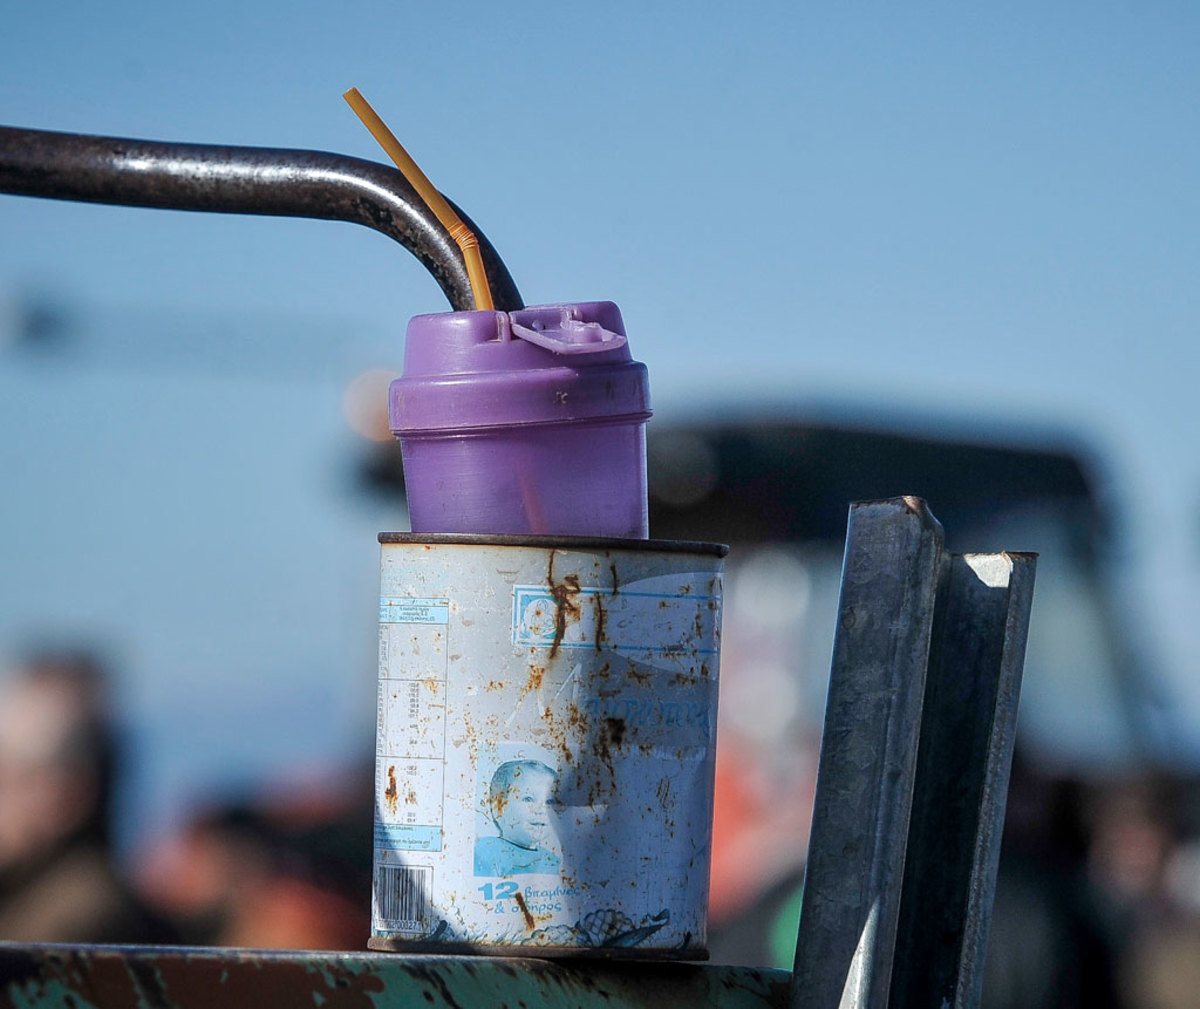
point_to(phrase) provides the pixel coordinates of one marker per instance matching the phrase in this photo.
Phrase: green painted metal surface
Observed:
(156, 977)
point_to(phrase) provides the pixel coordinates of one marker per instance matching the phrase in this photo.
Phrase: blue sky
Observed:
(986, 212)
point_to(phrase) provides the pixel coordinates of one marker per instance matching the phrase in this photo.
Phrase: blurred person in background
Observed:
(287, 869)
(1143, 859)
(58, 881)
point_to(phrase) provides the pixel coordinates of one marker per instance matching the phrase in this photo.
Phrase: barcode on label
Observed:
(402, 896)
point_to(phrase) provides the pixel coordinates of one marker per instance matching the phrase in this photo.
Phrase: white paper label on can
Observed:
(545, 748)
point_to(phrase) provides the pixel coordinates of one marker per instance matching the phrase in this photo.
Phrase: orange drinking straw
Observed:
(436, 201)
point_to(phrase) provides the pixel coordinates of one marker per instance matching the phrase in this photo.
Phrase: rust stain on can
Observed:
(566, 606)
(616, 730)
(529, 921)
(537, 676)
(600, 617)
(566, 610)
(392, 793)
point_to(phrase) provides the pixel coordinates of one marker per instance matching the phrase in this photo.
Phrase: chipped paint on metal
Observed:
(545, 747)
(132, 977)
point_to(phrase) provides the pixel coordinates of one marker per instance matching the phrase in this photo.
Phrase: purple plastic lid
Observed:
(543, 365)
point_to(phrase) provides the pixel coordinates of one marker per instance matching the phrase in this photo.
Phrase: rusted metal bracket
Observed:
(963, 765)
(913, 774)
(855, 864)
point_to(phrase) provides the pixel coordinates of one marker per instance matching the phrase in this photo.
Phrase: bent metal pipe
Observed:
(247, 180)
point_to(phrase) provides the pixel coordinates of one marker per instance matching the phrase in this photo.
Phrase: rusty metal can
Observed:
(546, 731)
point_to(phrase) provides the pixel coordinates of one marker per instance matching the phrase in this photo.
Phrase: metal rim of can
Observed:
(558, 542)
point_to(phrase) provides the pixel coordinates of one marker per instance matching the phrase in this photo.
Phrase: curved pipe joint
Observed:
(247, 180)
